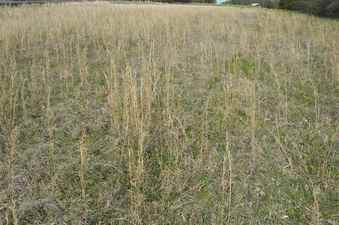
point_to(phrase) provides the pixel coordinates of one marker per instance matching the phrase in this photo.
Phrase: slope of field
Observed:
(166, 114)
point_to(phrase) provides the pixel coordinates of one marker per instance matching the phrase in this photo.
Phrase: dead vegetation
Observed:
(164, 114)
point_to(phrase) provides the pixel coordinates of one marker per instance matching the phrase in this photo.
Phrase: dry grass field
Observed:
(167, 115)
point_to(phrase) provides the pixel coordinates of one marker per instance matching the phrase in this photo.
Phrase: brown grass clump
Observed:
(167, 114)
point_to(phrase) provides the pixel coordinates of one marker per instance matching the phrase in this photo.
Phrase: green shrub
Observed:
(332, 9)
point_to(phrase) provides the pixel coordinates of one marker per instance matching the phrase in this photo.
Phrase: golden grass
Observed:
(168, 114)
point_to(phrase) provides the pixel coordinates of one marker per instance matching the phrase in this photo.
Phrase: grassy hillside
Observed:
(165, 114)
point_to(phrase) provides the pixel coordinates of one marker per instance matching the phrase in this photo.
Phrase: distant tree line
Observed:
(328, 8)
(318, 7)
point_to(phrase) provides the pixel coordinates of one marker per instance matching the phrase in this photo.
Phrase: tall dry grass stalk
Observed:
(10, 124)
(12, 161)
(227, 156)
(83, 162)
